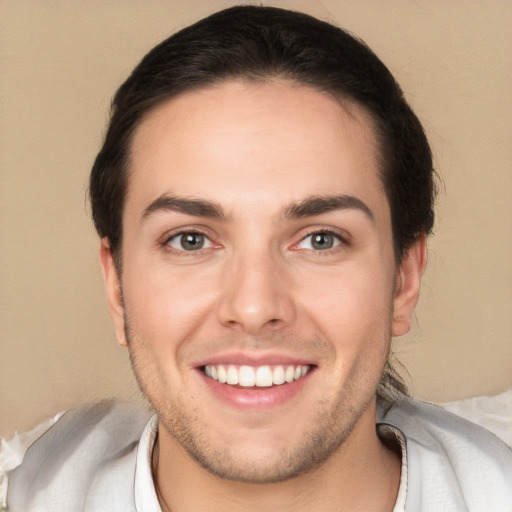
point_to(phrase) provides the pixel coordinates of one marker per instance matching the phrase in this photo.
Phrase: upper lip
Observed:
(253, 359)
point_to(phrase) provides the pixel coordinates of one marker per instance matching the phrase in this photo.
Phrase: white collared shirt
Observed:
(98, 458)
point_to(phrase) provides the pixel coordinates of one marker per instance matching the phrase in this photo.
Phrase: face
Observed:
(259, 285)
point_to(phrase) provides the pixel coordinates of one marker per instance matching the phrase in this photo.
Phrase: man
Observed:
(263, 197)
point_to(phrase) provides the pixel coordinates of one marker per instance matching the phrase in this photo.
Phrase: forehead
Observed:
(247, 143)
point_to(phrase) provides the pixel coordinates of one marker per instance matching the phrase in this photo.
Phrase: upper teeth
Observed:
(249, 376)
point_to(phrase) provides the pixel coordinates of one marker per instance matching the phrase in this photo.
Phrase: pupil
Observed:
(322, 241)
(192, 241)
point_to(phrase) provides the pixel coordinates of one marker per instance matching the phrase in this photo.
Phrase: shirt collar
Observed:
(145, 494)
(384, 429)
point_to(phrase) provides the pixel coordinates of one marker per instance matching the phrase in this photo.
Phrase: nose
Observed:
(255, 296)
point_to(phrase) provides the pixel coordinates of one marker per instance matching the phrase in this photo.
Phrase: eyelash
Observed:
(166, 242)
(341, 240)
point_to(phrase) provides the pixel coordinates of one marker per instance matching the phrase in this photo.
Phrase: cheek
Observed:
(352, 307)
(353, 315)
(165, 306)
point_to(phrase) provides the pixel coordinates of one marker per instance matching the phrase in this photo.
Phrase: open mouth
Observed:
(255, 376)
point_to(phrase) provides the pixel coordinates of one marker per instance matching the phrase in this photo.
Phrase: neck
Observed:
(362, 474)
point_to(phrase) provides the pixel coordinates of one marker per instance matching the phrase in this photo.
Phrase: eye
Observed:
(320, 241)
(190, 241)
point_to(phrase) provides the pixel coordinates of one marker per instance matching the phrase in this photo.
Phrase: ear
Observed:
(113, 290)
(408, 284)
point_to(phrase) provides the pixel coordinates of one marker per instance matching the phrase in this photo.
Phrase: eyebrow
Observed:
(317, 205)
(309, 207)
(195, 207)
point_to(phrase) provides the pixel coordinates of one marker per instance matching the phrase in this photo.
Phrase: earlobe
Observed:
(408, 284)
(113, 291)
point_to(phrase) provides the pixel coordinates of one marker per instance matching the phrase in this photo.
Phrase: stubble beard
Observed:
(330, 428)
(315, 448)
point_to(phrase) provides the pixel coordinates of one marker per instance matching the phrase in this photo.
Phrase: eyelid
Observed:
(177, 232)
(342, 236)
(177, 236)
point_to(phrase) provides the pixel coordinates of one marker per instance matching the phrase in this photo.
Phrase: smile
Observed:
(260, 376)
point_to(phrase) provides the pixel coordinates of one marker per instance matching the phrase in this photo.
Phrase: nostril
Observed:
(274, 323)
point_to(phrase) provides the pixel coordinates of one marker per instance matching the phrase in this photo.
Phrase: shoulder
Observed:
(87, 448)
(451, 461)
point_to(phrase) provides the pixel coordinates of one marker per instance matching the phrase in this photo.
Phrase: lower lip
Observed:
(254, 398)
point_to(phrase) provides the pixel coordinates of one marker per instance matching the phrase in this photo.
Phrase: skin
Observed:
(259, 290)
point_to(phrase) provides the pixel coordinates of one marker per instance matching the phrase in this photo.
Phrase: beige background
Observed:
(60, 62)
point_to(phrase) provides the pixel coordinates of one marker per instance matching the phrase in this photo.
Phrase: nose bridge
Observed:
(254, 296)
